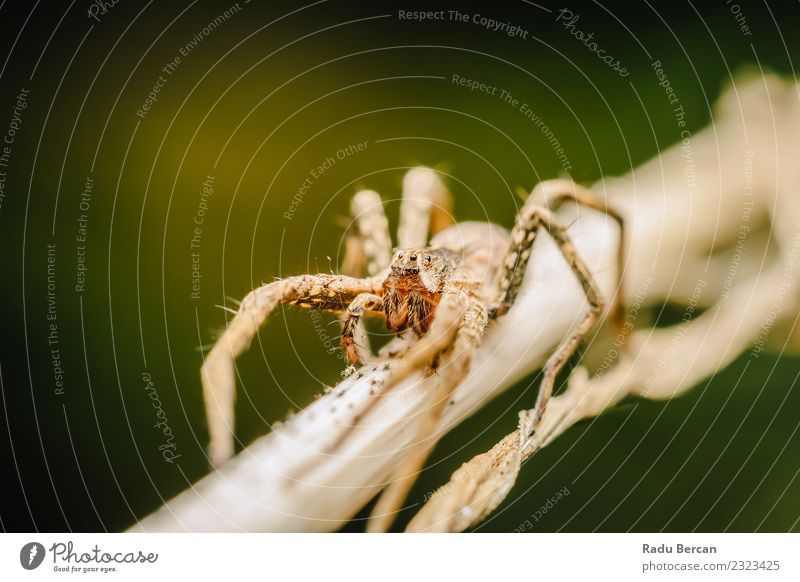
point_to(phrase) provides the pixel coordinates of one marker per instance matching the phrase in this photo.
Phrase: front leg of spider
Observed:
(352, 332)
(329, 292)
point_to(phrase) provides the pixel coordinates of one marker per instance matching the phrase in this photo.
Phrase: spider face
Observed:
(406, 262)
(419, 268)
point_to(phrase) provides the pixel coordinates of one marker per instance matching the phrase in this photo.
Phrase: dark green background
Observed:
(723, 457)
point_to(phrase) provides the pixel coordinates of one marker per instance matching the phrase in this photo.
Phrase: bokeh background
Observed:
(256, 104)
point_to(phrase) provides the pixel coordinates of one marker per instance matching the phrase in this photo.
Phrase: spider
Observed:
(438, 296)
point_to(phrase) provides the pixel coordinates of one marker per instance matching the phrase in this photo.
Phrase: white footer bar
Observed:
(406, 558)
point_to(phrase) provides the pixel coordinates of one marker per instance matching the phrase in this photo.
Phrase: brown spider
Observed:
(438, 297)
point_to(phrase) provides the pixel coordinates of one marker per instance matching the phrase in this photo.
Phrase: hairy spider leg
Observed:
(354, 346)
(330, 292)
(368, 246)
(426, 208)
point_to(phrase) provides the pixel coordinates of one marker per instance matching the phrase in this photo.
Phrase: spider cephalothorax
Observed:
(437, 295)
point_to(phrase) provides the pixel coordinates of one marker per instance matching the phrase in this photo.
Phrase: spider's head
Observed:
(424, 265)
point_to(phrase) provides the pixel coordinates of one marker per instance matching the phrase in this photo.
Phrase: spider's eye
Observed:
(400, 256)
(427, 258)
(413, 257)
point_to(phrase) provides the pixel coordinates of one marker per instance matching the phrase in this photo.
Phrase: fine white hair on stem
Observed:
(684, 213)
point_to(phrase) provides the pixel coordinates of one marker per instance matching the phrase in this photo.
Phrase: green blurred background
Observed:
(258, 103)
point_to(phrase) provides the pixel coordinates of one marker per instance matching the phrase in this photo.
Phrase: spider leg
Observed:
(426, 205)
(468, 335)
(551, 194)
(368, 246)
(530, 220)
(354, 341)
(331, 292)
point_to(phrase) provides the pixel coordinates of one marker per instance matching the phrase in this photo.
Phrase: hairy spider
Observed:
(438, 296)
